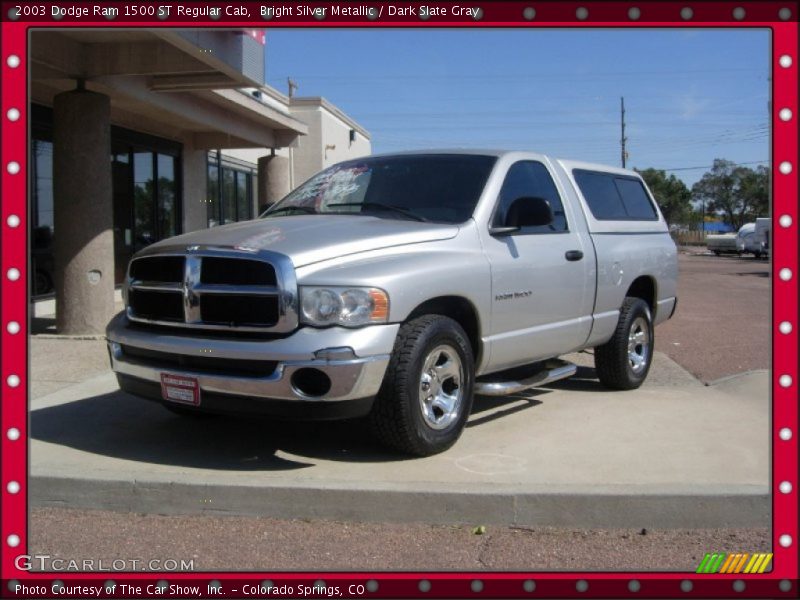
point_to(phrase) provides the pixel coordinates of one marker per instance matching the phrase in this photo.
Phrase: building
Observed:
(138, 135)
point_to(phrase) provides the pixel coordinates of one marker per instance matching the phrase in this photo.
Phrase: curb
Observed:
(558, 506)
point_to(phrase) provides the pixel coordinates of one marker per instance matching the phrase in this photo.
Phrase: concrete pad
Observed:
(672, 454)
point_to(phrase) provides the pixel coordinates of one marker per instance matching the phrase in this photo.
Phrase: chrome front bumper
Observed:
(355, 360)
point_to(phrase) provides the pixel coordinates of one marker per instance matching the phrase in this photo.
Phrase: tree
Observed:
(672, 195)
(741, 194)
(754, 190)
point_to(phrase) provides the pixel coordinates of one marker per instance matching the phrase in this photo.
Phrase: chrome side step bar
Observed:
(553, 371)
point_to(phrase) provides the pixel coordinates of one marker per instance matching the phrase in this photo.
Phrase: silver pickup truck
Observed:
(398, 287)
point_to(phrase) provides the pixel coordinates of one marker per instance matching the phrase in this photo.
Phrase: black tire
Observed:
(401, 418)
(613, 361)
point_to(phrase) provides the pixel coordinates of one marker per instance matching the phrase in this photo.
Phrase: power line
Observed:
(752, 162)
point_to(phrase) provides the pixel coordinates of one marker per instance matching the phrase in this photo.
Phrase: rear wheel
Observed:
(426, 395)
(623, 362)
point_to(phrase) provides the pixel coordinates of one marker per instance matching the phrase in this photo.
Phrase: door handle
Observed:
(573, 255)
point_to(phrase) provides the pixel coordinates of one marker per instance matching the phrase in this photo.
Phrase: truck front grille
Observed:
(199, 364)
(259, 311)
(213, 289)
(164, 306)
(224, 271)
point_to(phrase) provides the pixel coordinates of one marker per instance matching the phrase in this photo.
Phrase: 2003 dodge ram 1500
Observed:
(397, 287)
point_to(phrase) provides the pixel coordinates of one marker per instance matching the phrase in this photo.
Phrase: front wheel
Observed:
(426, 395)
(623, 362)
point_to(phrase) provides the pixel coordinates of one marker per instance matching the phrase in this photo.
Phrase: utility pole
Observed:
(623, 139)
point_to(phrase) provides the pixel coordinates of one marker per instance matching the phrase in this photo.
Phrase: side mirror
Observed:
(525, 212)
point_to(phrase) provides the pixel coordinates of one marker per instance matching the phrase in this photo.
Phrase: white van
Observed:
(753, 238)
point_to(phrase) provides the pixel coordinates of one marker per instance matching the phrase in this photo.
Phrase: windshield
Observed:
(442, 188)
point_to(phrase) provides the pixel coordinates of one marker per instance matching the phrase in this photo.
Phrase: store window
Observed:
(41, 218)
(230, 192)
(146, 195)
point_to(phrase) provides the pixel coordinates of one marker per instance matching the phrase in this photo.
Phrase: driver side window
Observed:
(530, 178)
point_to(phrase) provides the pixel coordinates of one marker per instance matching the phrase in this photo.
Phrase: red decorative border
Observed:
(13, 520)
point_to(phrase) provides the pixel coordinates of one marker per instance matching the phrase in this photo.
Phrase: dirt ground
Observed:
(259, 543)
(722, 325)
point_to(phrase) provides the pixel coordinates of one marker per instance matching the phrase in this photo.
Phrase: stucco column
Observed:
(83, 237)
(273, 179)
(195, 188)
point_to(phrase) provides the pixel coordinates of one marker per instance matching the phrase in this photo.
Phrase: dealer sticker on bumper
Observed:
(178, 388)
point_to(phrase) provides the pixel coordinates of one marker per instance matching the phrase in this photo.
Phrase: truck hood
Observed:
(307, 239)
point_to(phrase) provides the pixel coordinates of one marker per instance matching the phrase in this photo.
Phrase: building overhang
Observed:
(172, 83)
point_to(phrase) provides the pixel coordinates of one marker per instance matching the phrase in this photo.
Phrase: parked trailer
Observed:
(722, 244)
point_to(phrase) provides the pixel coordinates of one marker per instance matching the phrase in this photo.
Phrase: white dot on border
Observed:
(13, 540)
(785, 434)
(12, 328)
(785, 540)
(785, 487)
(785, 61)
(686, 13)
(785, 381)
(738, 13)
(582, 13)
(785, 167)
(12, 487)
(476, 586)
(634, 586)
(424, 586)
(785, 274)
(582, 585)
(13, 434)
(785, 14)
(12, 380)
(13, 61)
(785, 327)
(634, 13)
(686, 586)
(785, 221)
(529, 13)
(12, 221)
(13, 274)
(12, 114)
(785, 114)
(13, 167)
(529, 585)
(738, 585)
(785, 585)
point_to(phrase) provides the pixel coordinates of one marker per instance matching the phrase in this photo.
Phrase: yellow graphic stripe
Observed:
(754, 560)
(763, 566)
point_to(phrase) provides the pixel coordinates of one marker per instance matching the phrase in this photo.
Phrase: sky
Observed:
(691, 95)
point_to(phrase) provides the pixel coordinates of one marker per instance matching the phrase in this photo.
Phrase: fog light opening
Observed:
(311, 382)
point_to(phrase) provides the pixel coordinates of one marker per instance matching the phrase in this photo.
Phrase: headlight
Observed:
(351, 307)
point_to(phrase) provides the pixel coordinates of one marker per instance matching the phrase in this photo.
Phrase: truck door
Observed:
(542, 277)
